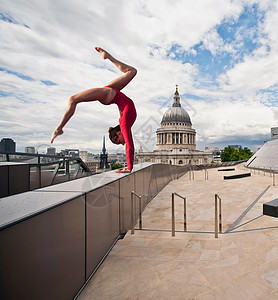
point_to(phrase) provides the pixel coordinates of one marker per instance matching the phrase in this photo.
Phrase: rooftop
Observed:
(242, 263)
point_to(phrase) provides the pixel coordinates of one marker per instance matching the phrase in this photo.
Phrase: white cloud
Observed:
(58, 46)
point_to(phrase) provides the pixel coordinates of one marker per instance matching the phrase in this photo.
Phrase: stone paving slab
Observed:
(240, 264)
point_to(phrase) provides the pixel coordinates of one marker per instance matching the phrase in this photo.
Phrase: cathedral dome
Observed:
(176, 113)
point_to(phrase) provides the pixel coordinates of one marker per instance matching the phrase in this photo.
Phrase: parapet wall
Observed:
(53, 239)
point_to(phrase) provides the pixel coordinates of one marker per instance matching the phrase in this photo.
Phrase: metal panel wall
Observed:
(102, 222)
(153, 183)
(44, 257)
(34, 178)
(147, 173)
(126, 187)
(139, 189)
(158, 170)
(18, 179)
(4, 182)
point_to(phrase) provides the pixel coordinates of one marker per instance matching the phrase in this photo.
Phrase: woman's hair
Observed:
(113, 132)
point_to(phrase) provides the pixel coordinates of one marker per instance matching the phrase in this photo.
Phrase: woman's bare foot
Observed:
(55, 133)
(103, 53)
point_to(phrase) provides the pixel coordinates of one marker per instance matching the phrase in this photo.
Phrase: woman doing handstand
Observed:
(121, 134)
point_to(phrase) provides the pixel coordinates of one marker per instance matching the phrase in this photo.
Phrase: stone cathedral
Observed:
(176, 139)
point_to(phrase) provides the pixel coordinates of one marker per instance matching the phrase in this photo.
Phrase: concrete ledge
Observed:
(229, 169)
(236, 176)
(271, 208)
(68, 229)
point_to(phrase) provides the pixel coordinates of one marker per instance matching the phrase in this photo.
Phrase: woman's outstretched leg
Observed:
(67, 115)
(130, 72)
(103, 95)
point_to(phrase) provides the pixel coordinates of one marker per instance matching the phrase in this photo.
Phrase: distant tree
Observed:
(226, 153)
(232, 154)
(116, 166)
(245, 153)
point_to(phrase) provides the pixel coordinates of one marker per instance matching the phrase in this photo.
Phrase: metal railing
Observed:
(263, 170)
(173, 213)
(41, 170)
(218, 216)
(206, 174)
(191, 174)
(132, 211)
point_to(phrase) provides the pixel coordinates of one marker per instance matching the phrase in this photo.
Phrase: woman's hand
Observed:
(123, 170)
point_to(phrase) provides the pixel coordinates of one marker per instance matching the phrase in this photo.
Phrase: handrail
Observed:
(206, 174)
(132, 211)
(173, 212)
(191, 174)
(218, 215)
(53, 168)
(270, 170)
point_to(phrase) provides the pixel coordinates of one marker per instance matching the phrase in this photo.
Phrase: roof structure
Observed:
(266, 157)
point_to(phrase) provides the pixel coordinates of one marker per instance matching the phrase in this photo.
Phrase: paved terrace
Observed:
(240, 264)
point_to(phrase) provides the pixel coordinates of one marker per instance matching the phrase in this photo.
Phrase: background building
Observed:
(176, 140)
(70, 153)
(31, 150)
(274, 132)
(83, 155)
(51, 151)
(7, 145)
(118, 158)
(176, 128)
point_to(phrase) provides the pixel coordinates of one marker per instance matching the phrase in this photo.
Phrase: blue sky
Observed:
(223, 54)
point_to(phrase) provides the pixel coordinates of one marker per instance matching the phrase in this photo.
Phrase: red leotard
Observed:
(128, 117)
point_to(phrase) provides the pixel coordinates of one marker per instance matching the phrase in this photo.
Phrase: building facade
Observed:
(176, 139)
(30, 149)
(7, 145)
(51, 151)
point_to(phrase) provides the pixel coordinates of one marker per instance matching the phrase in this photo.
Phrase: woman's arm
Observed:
(129, 146)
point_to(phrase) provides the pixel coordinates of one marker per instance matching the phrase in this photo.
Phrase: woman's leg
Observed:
(101, 94)
(104, 95)
(130, 72)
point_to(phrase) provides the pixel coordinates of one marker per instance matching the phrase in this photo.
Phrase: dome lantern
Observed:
(176, 113)
(176, 98)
